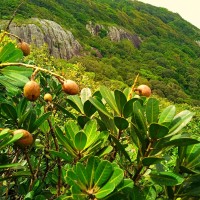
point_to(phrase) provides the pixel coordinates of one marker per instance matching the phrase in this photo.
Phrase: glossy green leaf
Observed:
(138, 118)
(39, 121)
(91, 132)
(167, 178)
(9, 86)
(128, 108)
(89, 108)
(181, 142)
(152, 110)
(120, 147)
(29, 120)
(80, 140)
(72, 179)
(9, 110)
(167, 115)
(61, 155)
(85, 94)
(149, 193)
(82, 174)
(64, 141)
(121, 123)
(64, 111)
(157, 131)
(76, 103)
(151, 160)
(100, 106)
(116, 177)
(21, 107)
(23, 71)
(77, 194)
(191, 157)
(91, 166)
(105, 190)
(10, 140)
(13, 166)
(82, 120)
(103, 173)
(10, 54)
(109, 98)
(120, 99)
(180, 121)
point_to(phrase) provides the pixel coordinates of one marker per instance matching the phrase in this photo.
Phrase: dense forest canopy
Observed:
(168, 58)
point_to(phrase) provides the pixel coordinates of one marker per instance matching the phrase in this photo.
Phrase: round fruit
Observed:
(25, 140)
(70, 87)
(48, 97)
(32, 90)
(143, 90)
(24, 47)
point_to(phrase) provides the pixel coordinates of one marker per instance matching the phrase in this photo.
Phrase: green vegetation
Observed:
(99, 145)
(168, 59)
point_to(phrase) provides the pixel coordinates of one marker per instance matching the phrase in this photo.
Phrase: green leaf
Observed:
(120, 147)
(105, 190)
(10, 54)
(13, 166)
(82, 175)
(89, 108)
(90, 169)
(29, 119)
(103, 173)
(85, 94)
(138, 118)
(151, 160)
(167, 115)
(152, 110)
(109, 98)
(116, 177)
(82, 120)
(9, 110)
(76, 103)
(180, 121)
(181, 142)
(121, 100)
(80, 140)
(61, 155)
(91, 132)
(167, 178)
(11, 140)
(40, 121)
(100, 106)
(128, 108)
(23, 71)
(157, 131)
(121, 123)
(64, 141)
(64, 111)
(9, 86)
(149, 193)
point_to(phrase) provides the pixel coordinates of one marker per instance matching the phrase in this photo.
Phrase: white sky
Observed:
(187, 9)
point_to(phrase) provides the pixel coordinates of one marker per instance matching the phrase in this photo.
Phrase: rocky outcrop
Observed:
(61, 43)
(114, 33)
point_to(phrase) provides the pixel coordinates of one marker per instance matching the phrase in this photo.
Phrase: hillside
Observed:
(154, 42)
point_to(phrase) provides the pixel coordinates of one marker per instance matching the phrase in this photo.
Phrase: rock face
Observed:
(114, 33)
(61, 43)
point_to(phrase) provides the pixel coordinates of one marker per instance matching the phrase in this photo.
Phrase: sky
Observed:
(187, 9)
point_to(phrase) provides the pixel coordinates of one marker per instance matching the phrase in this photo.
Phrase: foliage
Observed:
(102, 145)
(168, 58)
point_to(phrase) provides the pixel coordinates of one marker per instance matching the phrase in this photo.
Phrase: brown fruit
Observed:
(70, 87)
(48, 97)
(24, 47)
(25, 140)
(143, 90)
(32, 90)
